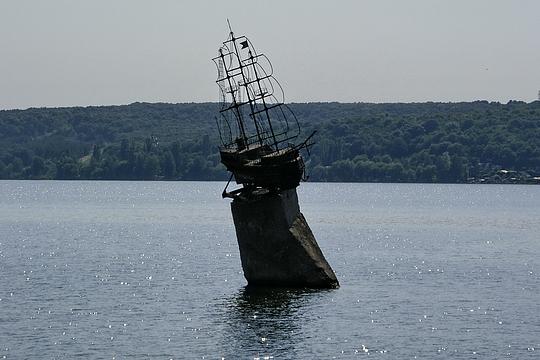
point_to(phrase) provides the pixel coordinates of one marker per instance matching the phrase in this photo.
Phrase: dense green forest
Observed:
(422, 142)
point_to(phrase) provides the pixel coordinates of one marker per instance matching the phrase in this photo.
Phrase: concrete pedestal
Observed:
(277, 247)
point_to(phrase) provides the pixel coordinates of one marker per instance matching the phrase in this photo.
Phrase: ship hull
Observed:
(277, 170)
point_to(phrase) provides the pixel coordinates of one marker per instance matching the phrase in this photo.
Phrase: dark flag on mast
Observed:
(244, 44)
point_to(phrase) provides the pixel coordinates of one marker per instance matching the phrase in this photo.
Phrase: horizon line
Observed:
(291, 102)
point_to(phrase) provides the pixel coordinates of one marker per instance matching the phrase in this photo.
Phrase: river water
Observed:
(135, 270)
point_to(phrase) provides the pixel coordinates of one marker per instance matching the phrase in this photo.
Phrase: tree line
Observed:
(419, 142)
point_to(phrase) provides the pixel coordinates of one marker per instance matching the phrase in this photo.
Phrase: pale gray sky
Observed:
(100, 52)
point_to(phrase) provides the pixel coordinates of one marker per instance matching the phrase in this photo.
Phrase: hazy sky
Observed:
(72, 52)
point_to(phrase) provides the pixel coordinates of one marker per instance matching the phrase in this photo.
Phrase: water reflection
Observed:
(267, 321)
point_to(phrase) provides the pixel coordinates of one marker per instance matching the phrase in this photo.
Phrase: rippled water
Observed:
(152, 269)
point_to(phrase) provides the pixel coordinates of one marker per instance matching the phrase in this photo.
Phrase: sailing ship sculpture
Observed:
(259, 133)
(260, 146)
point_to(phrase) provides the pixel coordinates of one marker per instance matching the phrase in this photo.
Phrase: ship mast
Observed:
(240, 70)
(245, 83)
(235, 104)
(262, 95)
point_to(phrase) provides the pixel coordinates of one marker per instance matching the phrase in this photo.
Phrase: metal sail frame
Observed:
(240, 71)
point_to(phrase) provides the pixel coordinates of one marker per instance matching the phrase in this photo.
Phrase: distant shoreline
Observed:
(430, 142)
(303, 183)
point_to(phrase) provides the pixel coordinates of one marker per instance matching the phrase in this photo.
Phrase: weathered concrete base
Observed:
(277, 247)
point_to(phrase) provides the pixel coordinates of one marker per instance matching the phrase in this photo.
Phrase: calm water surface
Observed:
(152, 270)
